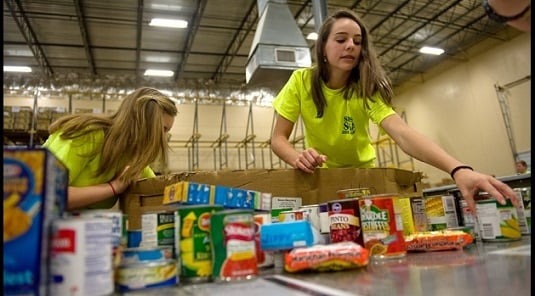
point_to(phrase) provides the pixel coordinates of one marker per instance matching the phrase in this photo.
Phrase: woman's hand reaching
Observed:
(309, 160)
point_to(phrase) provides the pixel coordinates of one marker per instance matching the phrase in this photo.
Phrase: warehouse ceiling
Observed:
(104, 47)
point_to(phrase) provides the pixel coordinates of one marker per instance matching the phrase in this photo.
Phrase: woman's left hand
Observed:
(471, 182)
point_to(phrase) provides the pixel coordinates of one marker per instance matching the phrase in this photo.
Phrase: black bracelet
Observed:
(459, 168)
(493, 15)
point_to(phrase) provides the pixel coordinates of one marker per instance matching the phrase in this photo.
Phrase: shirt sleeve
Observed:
(148, 173)
(74, 153)
(287, 102)
(379, 110)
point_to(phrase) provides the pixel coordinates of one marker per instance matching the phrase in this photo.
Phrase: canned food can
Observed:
(353, 192)
(158, 229)
(312, 215)
(135, 255)
(325, 225)
(522, 216)
(525, 192)
(441, 212)
(145, 275)
(413, 214)
(81, 257)
(382, 226)
(119, 222)
(232, 238)
(263, 259)
(293, 215)
(344, 221)
(193, 242)
(498, 222)
(133, 238)
(469, 220)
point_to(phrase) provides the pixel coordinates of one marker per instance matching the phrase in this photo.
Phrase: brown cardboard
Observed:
(313, 188)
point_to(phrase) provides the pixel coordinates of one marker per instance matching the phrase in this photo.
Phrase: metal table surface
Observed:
(483, 268)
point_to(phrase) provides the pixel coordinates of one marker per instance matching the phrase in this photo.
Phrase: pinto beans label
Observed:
(344, 220)
(233, 245)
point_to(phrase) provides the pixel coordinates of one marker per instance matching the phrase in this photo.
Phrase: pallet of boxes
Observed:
(232, 225)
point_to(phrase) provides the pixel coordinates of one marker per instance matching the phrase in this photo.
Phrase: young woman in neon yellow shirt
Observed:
(340, 95)
(106, 153)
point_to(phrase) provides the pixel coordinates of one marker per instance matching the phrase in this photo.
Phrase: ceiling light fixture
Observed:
(312, 36)
(432, 50)
(159, 73)
(17, 69)
(168, 23)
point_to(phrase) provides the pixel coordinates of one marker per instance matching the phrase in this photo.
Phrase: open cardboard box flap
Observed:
(312, 188)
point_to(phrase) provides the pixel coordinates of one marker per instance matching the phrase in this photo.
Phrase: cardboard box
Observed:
(312, 188)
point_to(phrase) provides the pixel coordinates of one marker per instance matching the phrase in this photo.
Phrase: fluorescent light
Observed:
(18, 52)
(160, 73)
(168, 23)
(17, 69)
(158, 59)
(432, 50)
(312, 36)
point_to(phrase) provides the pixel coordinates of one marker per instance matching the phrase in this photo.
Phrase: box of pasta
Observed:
(35, 193)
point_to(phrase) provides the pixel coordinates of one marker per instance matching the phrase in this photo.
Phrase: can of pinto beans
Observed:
(232, 238)
(344, 221)
(382, 226)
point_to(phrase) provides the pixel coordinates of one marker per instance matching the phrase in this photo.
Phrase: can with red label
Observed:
(232, 238)
(344, 221)
(81, 257)
(263, 259)
(382, 226)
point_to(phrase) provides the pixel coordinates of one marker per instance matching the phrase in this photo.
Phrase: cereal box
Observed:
(35, 192)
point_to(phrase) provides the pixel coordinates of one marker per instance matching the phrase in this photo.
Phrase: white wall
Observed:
(454, 105)
(458, 108)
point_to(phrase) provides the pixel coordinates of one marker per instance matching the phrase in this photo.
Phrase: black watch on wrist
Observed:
(493, 15)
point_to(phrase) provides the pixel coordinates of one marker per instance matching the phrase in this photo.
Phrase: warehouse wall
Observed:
(455, 105)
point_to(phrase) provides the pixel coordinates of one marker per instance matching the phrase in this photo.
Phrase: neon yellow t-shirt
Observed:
(82, 168)
(342, 132)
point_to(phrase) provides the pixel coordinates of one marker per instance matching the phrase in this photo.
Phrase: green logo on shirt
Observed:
(349, 126)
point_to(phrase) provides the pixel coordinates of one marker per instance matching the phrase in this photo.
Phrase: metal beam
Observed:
(250, 20)
(29, 35)
(194, 26)
(139, 26)
(79, 6)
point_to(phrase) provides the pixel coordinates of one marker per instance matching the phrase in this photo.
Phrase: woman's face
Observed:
(343, 45)
(168, 122)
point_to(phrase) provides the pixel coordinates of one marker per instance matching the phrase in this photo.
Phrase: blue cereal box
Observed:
(35, 192)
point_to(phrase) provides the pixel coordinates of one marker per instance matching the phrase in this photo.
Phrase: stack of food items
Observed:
(35, 194)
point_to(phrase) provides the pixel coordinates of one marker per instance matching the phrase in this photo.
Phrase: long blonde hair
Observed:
(134, 136)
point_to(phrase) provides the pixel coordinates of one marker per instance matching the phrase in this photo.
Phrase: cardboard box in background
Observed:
(312, 188)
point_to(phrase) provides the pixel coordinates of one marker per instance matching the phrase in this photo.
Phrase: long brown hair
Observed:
(365, 79)
(133, 136)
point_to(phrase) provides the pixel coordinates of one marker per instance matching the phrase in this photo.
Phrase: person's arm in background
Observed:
(80, 197)
(306, 161)
(503, 10)
(469, 182)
